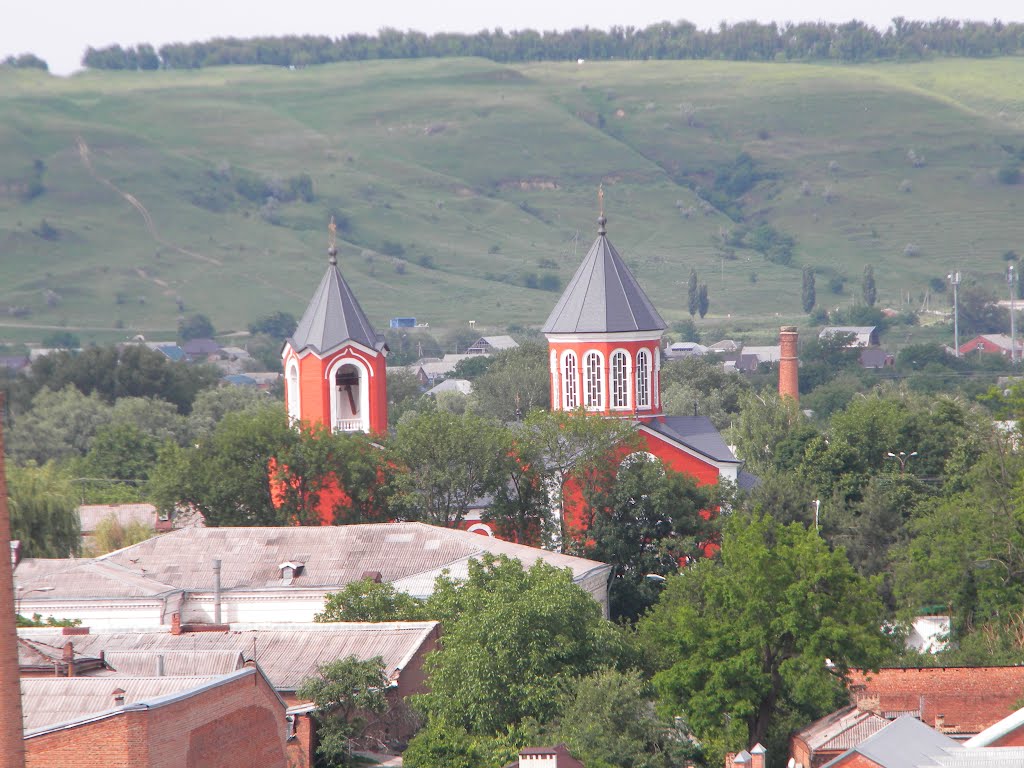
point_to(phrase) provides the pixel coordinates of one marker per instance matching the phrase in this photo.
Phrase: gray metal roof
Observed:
(333, 318)
(904, 743)
(603, 297)
(287, 653)
(695, 432)
(843, 729)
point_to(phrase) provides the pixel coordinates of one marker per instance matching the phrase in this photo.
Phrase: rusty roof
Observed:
(287, 653)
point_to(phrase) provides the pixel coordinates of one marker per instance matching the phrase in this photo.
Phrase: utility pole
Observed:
(954, 278)
(1011, 278)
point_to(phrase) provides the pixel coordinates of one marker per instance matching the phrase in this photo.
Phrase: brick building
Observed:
(231, 721)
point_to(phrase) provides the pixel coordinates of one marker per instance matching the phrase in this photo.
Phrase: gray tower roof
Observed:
(603, 296)
(333, 318)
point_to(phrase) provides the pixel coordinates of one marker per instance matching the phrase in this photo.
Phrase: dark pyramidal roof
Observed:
(334, 318)
(603, 296)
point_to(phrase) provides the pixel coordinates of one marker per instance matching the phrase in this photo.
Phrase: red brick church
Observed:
(604, 337)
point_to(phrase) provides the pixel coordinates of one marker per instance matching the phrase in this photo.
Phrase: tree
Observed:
(516, 382)
(701, 382)
(445, 463)
(197, 326)
(743, 641)
(59, 425)
(44, 513)
(868, 286)
(702, 300)
(513, 638)
(403, 391)
(62, 340)
(344, 692)
(110, 534)
(646, 519)
(368, 600)
(692, 294)
(212, 405)
(770, 433)
(279, 325)
(808, 289)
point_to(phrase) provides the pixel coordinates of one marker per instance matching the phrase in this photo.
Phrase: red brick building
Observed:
(232, 721)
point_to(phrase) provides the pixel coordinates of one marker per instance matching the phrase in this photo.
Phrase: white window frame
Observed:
(570, 380)
(593, 380)
(643, 379)
(619, 379)
(294, 392)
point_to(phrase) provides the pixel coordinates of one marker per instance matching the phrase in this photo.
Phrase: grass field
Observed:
(459, 182)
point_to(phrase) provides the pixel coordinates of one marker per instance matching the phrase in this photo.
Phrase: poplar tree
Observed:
(809, 297)
(869, 285)
(692, 297)
(702, 300)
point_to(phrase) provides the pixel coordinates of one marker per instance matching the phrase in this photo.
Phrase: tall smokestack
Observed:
(789, 363)
(12, 741)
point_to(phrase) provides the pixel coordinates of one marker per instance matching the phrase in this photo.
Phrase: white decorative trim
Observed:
(628, 405)
(576, 380)
(481, 528)
(610, 338)
(602, 380)
(364, 391)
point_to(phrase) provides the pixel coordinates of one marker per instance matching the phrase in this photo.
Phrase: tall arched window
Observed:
(620, 381)
(643, 379)
(569, 379)
(294, 404)
(592, 382)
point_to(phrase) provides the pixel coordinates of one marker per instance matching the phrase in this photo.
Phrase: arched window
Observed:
(294, 404)
(592, 382)
(620, 381)
(569, 378)
(555, 388)
(643, 379)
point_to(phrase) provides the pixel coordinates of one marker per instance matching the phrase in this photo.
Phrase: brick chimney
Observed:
(12, 742)
(175, 623)
(69, 658)
(757, 755)
(789, 363)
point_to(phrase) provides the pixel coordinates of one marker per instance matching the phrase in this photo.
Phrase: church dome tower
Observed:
(604, 339)
(334, 363)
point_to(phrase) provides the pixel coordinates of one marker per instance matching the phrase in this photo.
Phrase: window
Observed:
(569, 382)
(294, 410)
(643, 379)
(594, 396)
(620, 384)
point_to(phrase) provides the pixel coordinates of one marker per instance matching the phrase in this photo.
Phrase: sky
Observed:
(60, 30)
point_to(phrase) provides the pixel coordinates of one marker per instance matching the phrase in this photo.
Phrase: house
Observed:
(909, 743)
(683, 349)
(725, 345)
(223, 721)
(265, 574)
(992, 343)
(287, 654)
(91, 515)
(201, 350)
(14, 363)
(875, 358)
(487, 345)
(862, 335)
(459, 386)
(557, 756)
(827, 738)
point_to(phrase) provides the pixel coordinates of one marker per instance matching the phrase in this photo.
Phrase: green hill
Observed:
(460, 184)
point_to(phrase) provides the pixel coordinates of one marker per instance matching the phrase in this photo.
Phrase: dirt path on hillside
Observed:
(85, 155)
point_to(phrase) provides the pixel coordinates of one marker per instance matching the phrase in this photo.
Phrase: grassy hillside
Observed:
(458, 183)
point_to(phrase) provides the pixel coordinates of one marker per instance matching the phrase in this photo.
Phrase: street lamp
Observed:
(902, 457)
(22, 592)
(954, 278)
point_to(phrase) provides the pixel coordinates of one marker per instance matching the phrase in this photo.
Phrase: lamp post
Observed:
(954, 278)
(902, 457)
(1011, 279)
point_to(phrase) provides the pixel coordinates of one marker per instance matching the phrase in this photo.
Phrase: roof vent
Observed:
(118, 697)
(374, 576)
(289, 570)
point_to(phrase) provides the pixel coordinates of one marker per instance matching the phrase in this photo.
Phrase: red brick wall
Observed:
(235, 725)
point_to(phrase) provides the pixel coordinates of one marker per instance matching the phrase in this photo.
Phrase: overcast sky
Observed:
(60, 30)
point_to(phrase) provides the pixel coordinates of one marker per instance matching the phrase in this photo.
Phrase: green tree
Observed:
(59, 425)
(368, 600)
(703, 303)
(212, 405)
(645, 519)
(110, 534)
(868, 286)
(520, 507)
(44, 512)
(513, 638)
(516, 382)
(279, 325)
(807, 296)
(446, 462)
(743, 641)
(770, 433)
(404, 391)
(692, 293)
(344, 692)
(704, 383)
(62, 340)
(197, 326)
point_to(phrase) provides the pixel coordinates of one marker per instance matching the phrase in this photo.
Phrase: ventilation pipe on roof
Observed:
(160, 665)
(216, 592)
(118, 697)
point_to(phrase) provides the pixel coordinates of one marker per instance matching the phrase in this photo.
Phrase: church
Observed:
(604, 340)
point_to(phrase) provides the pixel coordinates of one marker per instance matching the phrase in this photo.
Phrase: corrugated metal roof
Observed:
(904, 743)
(842, 730)
(333, 318)
(332, 555)
(41, 580)
(175, 663)
(287, 653)
(50, 700)
(603, 297)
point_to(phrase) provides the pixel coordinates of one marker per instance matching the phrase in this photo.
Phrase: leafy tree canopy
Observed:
(367, 600)
(44, 511)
